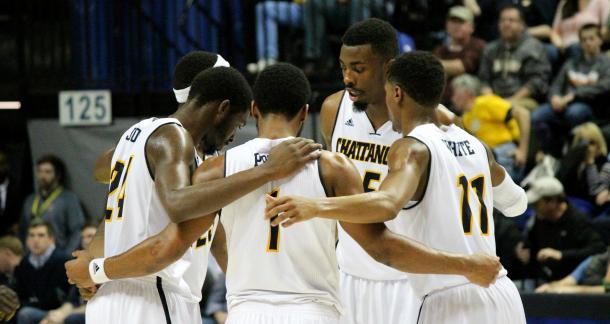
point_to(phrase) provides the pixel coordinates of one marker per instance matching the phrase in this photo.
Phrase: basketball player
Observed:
(290, 276)
(454, 183)
(155, 156)
(174, 237)
(355, 122)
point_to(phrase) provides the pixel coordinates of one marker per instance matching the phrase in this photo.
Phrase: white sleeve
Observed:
(509, 198)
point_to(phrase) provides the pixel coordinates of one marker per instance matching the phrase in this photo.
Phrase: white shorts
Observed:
(377, 301)
(471, 304)
(127, 301)
(264, 313)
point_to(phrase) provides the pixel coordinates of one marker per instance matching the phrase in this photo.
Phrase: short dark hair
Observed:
(58, 166)
(190, 65)
(222, 83)
(590, 26)
(90, 223)
(41, 222)
(379, 33)
(281, 88)
(419, 74)
(513, 7)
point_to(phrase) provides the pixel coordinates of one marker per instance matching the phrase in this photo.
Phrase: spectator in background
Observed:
(320, 15)
(590, 277)
(509, 244)
(515, 67)
(558, 236)
(11, 253)
(10, 198)
(462, 52)
(585, 170)
(55, 204)
(496, 122)
(571, 16)
(270, 14)
(73, 310)
(578, 90)
(41, 281)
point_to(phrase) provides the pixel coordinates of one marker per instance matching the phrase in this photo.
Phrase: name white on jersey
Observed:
(354, 136)
(455, 213)
(293, 265)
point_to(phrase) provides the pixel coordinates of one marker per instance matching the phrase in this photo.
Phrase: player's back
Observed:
(134, 211)
(276, 265)
(455, 213)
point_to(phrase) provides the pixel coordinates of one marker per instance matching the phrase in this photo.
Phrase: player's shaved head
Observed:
(222, 83)
(281, 89)
(420, 75)
(376, 32)
(190, 65)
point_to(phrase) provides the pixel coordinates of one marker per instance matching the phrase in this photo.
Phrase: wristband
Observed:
(96, 271)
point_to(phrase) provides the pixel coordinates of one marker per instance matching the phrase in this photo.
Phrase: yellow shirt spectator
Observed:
(491, 120)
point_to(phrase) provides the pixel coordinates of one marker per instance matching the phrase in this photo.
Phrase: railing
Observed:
(123, 45)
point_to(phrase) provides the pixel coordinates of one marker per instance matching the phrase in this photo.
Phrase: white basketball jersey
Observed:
(355, 137)
(200, 250)
(455, 213)
(294, 265)
(134, 211)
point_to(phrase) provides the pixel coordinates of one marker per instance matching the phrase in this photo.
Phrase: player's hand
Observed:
(548, 253)
(87, 293)
(483, 269)
(9, 303)
(290, 156)
(520, 157)
(77, 269)
(289, 210)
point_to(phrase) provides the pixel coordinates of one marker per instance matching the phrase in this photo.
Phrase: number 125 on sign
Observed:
(84, 108)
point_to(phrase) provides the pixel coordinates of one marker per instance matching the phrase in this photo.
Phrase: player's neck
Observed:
(191, 124)
(275, 126)
(412, 118)
(378, 114)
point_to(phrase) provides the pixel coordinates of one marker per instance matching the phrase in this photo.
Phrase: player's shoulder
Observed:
(408, 148)
(171, 133)
(210, 169)
(334, 161)
(330, 106)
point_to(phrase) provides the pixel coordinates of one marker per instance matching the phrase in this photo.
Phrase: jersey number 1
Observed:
(273, 242)
(478, 184)
(118, 180)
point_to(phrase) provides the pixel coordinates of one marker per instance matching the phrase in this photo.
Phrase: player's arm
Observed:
(101, 171)
(447, 117)
(508, 197)
(219, 248)
(328, 115)
(522, 116)
(155, 253)
(399, 252)
(170, 153)
(96, 247)
(407, 166)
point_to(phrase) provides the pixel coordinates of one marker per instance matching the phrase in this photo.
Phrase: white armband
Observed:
(96, 271)
(509, 198)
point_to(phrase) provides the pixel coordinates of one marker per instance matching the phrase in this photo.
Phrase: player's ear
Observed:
(254, 112)
(303, 112)
(398, 94)
(223, 108)
(252, 108)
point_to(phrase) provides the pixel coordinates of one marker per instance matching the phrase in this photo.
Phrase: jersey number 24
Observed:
(118, 179)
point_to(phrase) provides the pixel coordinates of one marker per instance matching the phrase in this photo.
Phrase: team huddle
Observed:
(393, 224)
